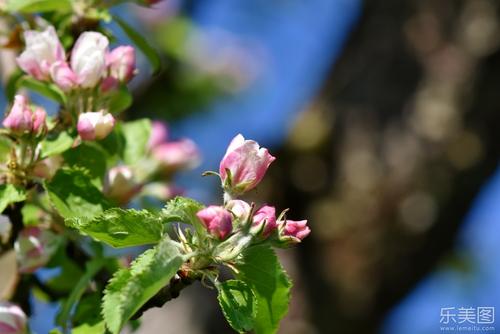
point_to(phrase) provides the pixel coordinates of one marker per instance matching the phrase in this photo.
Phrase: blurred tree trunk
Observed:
(387, 160)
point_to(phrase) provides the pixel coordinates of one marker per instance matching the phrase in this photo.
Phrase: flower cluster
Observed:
(91, 61)
(92, 69)
(241, 169)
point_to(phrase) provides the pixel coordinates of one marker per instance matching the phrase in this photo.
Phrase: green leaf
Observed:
(150, 53)
(90, 156)
(136, 134)
(129, 289)
(56, 144)
(92, 268)
(262, 272)
(10, 194)
(72, 193)
(97, 328)
(238, 304)
(121, 228)
(46, 89)
(183, 210)
(35, 6)
(119, 100)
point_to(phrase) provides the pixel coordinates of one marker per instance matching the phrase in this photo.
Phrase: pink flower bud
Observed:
(95, 125)
(292, 231)
(39, 123)
(121, 63)
(247, 164)
(42, 50)
(120, 184)
(240, 209)
(265, 220)
(217, 221)
(34, 248)
(12, 319)
(159, 134)
(177, 155)
(5, 228)
(88, 58)
(20, 117)
(63, 76)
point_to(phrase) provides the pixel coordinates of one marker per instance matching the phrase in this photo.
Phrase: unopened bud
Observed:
(217, 221)
(121, 63)
(120, 184)
(34, 248)
(247, 164)
(20, 118)
(12, 319)
(95, 125)
(264, 220)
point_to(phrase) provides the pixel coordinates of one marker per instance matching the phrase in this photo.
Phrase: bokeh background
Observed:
(385, 118)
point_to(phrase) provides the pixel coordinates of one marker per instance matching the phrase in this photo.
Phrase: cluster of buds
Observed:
(24, 120)
(92, 65)
(237, 222)
(91, 62)
(12, 319)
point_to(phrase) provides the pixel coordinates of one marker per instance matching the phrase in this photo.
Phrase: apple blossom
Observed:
(240, 209)
(63, 76)
(20, 117)
(177, 155)
(12, 319)
(88, 58)
(34, 248)
(159, 134)
(39, 121)
(293, 231)
(264, 220)
(120, 184)
(43, 49)
(121, 63)
(95, 125)
(244, 165)
(217, 220)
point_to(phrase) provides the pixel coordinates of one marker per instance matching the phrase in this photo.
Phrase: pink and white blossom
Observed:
(42, 50)
(88, 58)
(20, 117)
(121, 63)
(95, 125)
(63, 76)
(175, 155)
(240, 209)
(120, 184)
(217, 220)
(34, 247)
(159, 134)
(39, 121)
(12, 319)
(247, 164)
